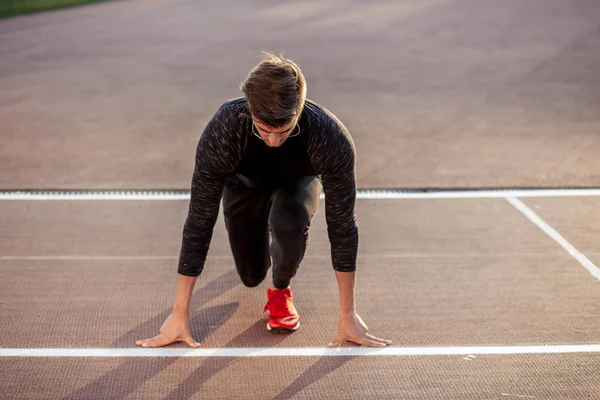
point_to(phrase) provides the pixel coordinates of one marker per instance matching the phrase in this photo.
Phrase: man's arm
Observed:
(334, 155)
(176, 328)
(217, 153)
(340, 194)
(352, 328)
(183, 295)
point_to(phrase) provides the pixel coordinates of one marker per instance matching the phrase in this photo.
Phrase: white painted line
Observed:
(91, 258)
(477, 194)
(379, 194)
(533, 217)
(300, 351)
(93, 196)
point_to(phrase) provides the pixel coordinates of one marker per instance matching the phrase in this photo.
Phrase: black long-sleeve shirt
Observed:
(228, 146)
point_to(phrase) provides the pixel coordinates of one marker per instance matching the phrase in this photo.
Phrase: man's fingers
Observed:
(336, 342)
(363, 341)
(368, 340)
(371, 343)
(145, 341)
(157, 341)
(191, 342)
(375, 338)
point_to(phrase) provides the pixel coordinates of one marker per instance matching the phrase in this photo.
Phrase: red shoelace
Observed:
(280, 303)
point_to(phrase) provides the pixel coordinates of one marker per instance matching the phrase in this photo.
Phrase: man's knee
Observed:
(253, 279)
(290, 227)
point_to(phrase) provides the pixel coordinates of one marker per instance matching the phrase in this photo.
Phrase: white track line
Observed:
(92, 258)
(98, 196)
(533, 217)
(300, 351)
(361, 194)
(477, 194)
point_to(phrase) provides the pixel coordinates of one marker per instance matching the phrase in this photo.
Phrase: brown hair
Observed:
(275, 90)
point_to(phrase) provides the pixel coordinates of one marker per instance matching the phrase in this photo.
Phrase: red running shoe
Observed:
(283, 316)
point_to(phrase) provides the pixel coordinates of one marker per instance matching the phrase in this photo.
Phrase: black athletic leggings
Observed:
(251, 213)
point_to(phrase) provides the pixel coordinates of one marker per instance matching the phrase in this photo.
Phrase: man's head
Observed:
(276, 91)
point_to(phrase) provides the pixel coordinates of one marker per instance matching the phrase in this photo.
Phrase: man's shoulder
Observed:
(330, 145)
(321, 115)
(236, 107)
(224, 124)
(235, 102)
(315, 109)
(324, 119)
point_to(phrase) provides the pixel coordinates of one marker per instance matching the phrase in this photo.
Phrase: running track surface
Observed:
(436, 93)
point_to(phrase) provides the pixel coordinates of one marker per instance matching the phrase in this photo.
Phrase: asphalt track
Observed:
(436, 93)
(486, 295)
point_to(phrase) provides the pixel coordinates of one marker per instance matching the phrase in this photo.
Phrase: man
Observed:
(268, 155)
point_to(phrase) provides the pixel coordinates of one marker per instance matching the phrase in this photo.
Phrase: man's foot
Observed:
(283, 317)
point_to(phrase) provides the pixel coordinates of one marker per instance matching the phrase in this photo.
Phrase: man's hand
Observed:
(353, 329)
(175, 329)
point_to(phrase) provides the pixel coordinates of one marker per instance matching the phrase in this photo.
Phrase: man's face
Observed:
(274, 137)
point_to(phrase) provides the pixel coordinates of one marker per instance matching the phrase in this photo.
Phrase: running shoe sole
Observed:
(283, 330)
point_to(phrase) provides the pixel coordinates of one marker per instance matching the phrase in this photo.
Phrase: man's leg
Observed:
(291, 213)
(246, 212)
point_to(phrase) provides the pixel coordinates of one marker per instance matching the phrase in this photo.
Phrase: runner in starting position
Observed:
(268, 156)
